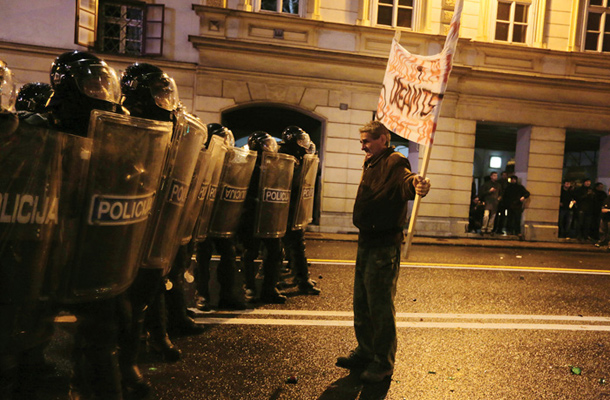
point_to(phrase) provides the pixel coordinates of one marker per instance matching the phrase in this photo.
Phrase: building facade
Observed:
(529, 88)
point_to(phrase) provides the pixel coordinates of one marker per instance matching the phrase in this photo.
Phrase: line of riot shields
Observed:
(80, 215)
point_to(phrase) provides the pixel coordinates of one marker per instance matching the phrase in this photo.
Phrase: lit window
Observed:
(495, 162)
(123, 27)
(282, 6)
(396, 13)
(512, 21)
(597, 31)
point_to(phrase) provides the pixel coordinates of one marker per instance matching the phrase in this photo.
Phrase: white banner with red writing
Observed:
(414, 85)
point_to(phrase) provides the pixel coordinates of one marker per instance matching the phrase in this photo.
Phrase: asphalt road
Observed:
(474, 323)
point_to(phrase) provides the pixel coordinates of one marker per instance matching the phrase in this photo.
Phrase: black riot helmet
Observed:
(296, 142)
(148, 92)
(33, 97)
(7, 88)
(81, 82)
(222, 131)
(260, 141)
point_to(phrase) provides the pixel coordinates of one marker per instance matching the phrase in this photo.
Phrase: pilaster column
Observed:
(539, 165)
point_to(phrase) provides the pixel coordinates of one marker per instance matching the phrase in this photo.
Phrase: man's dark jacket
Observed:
(380, 210)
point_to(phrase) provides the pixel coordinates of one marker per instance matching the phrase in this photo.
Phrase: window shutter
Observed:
(153, 29)
(85, 28)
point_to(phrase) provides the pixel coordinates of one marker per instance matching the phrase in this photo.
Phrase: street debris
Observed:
(293, 379)
(575, 370)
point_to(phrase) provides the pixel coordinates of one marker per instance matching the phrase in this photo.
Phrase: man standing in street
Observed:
(380, 212)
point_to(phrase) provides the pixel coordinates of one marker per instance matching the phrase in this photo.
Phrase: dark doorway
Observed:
(273, 119)
(494, 143)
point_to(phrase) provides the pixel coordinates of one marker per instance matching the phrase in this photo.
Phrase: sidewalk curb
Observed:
(496, 242)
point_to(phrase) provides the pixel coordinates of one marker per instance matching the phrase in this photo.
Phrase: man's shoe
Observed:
(375, 374)
(353, 361)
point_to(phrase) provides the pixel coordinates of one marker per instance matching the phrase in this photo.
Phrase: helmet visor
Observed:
(269, 144)
(98, 81)
(303, 140)
(165, 92)
(8, 89)
(229, 138)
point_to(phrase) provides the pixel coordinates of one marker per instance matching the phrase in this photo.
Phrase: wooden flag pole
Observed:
(422, 172)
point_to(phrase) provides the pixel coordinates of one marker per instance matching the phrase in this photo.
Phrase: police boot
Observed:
(306, 286)
(165, 347)
(158, 340)
(134, 384)
(8, 376)
(105, 378)
(269, 292)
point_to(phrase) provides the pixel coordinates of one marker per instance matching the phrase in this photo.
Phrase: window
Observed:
(123, 27)
(597, 26)
(282, 6)
(512, 21)
(396, 13)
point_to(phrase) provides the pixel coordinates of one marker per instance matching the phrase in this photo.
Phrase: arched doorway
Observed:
(273, 119)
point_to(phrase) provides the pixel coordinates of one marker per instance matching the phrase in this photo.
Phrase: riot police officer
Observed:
(147, 92)
(231, 293)
(296, 142)
(82, 82)
(260, 142)
(33, 97)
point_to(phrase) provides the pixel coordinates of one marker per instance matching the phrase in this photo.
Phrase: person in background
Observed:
(514, 196)
(604, 223)
(585, 205)
(566, 209)
(490, 194)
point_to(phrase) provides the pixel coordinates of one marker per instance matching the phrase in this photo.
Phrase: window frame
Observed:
(604, 20)
(90, 23)
(530, 25)
(415, 17)
(302, 8)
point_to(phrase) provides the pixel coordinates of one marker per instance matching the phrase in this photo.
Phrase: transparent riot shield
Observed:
(274, 195)
(126, 162)
(30, 175)
(232, 190)
(188, 139)
(209, 187)
(307, 173)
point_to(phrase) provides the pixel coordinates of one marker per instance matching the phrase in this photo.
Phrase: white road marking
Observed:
(414, 320)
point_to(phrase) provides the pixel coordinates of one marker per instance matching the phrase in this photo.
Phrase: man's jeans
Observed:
(374, 313)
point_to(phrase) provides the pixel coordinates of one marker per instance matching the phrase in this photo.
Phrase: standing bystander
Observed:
(490, 195)
(380, 212)
(566, 211)
(604, 224)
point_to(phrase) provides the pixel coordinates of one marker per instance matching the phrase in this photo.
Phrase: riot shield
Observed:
(306, 180)
(274, 195)
(232, 190)
(30, 175)
(126, 162)
(209, 187)
(188, 139)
